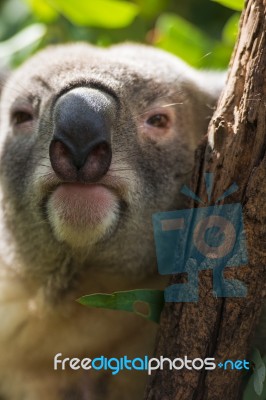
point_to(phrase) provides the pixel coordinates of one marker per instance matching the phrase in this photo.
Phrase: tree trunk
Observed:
(235, 152)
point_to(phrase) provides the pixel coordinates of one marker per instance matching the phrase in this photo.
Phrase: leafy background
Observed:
(202, 32)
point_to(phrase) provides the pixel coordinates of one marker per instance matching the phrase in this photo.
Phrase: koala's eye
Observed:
(158, 124)
(158, 121)
(19, 117)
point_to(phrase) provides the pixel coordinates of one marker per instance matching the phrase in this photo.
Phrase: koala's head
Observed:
(93, 142)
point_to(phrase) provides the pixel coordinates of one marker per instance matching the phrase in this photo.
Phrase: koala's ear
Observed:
(203, 92)
(4, 74)
(211, 84)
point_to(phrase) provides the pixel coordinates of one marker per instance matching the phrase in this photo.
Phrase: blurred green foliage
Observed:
(201, 32)
(237, 5)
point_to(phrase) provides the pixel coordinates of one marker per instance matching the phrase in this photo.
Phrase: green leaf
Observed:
(100, 13)
(28, 37)
(259, 373)
(152, 8)
(42, 10)
(256, 386)
(237, 5)
(219, 57)
(182, 38)
(230, 30)
(144, 302)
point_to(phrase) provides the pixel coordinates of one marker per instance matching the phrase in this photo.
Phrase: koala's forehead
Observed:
(122, 68)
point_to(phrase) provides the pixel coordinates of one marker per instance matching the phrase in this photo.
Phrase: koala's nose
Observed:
(80, 149)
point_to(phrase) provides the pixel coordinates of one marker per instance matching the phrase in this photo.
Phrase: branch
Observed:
(235, 152)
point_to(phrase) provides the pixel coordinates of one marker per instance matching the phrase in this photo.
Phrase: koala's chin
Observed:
(82, 215)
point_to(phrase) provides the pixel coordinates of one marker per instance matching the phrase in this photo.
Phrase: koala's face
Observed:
(92, 143)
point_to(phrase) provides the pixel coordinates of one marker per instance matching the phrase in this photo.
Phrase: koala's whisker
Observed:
(122, 170)
(162, 106)
(44, 165)
(43, 157)
(172, 104)
(135, 117)
(119, 177)
(169, 95)
(125, 158)
(126, 150)
(121, 161)
(184, 173)
(5, 84)
(43, 175)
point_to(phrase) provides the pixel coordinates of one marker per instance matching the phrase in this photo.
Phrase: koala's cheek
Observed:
(82, 214)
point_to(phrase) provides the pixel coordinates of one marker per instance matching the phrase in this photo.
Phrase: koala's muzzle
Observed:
(80, 149)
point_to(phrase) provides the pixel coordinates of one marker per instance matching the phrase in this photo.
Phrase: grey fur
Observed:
(50, 272)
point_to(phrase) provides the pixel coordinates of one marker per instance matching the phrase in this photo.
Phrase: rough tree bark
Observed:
(235, 152)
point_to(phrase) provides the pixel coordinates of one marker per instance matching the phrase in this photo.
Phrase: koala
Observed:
(93, 142)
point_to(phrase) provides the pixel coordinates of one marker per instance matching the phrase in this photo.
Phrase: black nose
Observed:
(81, 146)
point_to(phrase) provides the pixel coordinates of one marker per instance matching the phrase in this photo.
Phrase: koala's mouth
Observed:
(83, 214)
(82, 205)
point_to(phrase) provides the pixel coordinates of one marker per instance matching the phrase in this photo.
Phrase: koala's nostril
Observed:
(61, 161)
(97, 163)
(92, 169)
(81, 145)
